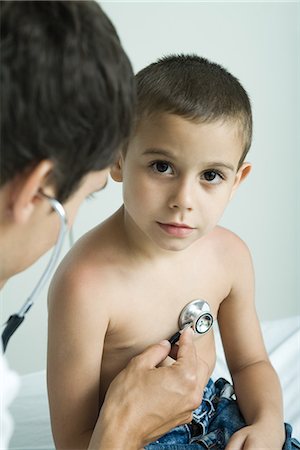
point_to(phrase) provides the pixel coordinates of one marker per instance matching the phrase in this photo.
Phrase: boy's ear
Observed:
(241, 175)
(25, 189)
(116, 171)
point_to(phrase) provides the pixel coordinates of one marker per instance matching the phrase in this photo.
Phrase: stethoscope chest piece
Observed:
(196, 315)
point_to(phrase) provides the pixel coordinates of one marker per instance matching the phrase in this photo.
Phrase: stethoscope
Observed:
(15, 320)
(196, 315)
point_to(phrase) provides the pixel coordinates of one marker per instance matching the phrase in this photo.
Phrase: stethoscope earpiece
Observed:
(196, 315)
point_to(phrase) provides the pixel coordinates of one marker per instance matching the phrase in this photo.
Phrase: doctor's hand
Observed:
(145, 401)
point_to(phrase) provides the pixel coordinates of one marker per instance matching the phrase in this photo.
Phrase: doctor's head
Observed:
(67, 103)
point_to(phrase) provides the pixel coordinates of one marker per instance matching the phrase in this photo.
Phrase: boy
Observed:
(128, 279)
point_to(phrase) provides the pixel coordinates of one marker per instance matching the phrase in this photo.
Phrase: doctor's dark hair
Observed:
(67, 90)
(195, 89)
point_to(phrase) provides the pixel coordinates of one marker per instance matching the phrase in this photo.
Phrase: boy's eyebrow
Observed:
(166, 153)
(220, 164)
(158, 151)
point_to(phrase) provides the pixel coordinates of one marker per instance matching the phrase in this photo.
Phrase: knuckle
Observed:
(191, 380)
(186, 417)
(199, 394)
(196, 400)
(189, 417)
(134, 362)
(194, 391)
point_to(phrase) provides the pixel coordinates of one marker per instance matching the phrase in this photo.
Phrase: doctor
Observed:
(67, 102)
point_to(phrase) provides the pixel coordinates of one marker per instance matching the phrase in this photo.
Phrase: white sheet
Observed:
(282, 338)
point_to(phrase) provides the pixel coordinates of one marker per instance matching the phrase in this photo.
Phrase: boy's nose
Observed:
(181, 196)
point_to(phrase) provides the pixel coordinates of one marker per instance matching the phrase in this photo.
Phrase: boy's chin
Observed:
(176, 246)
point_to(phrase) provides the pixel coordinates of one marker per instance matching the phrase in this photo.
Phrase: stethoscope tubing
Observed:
(57, 206)
(16, 319)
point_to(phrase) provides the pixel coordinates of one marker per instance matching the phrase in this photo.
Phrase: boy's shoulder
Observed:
(228, 258)
(226, 240)
(92, 256)
(228, 248)
(88, 276)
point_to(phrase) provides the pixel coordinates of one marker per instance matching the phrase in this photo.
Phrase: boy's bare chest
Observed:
(148, 311)
(148, 307)
(151, 301)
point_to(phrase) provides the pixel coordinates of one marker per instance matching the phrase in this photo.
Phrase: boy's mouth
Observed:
(176, 229)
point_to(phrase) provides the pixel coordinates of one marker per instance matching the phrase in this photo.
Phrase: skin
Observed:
(123, 285)
(25, 213)
(174, 392)
(28, 228)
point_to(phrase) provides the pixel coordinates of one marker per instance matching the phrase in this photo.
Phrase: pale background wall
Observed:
(258, 43)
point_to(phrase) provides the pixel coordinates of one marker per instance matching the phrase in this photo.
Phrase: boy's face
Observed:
(178, 177)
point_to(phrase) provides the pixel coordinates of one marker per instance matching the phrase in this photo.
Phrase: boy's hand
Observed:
(258, 436)
(144, 402)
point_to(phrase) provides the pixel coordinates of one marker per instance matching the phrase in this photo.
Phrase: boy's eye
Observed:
(212, 177)
(161, 167)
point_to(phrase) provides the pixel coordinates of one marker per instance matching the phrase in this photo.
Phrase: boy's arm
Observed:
(256, 383)
(78, 319)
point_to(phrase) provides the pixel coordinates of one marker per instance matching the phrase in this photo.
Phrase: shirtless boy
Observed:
(123, 285)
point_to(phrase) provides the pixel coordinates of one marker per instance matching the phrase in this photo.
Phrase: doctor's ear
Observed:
(241, 175)
(116, 170)
(25, 188)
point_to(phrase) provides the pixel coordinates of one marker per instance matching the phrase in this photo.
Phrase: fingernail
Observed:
(188, 330)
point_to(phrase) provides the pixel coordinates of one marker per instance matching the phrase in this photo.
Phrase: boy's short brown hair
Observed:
(196, 89)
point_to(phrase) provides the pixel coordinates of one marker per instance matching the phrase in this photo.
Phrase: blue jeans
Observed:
(214, 422)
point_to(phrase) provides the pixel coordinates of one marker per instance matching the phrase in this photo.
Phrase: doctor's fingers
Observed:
(189, 371)
(186, 355)
(152, 356)
(156, 353)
